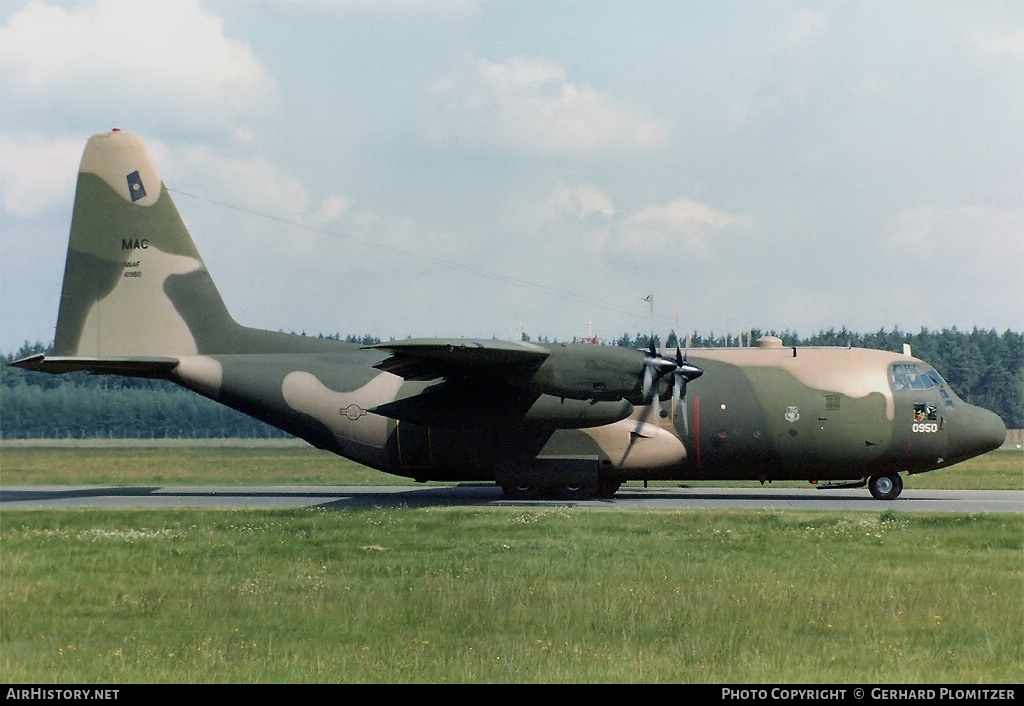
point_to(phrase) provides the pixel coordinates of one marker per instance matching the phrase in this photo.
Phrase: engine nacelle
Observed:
(586, 372)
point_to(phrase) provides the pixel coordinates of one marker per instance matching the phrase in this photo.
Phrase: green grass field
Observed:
(494, 595)
(239, 463)
(508, 595)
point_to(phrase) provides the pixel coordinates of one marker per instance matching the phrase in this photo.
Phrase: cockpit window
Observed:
(908, 376)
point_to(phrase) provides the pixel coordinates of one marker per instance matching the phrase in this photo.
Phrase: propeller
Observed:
(657, 367)
(684, 372)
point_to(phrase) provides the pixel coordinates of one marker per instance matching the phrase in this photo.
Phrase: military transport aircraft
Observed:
(553, 420)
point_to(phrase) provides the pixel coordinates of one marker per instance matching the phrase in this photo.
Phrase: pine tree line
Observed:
(983, 367)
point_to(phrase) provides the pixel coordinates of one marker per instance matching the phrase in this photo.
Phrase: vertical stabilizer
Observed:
(134, 283)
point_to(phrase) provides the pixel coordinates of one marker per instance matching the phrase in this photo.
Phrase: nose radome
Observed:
(980, 431)
(994, 429)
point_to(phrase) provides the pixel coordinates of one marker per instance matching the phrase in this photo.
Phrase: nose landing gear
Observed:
(885, 486)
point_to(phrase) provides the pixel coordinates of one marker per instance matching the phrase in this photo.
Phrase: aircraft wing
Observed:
(431, 358)
(502, 384)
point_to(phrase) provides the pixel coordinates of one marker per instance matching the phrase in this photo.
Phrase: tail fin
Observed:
(134, 283)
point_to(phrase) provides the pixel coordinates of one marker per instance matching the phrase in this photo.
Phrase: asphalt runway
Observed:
(628, 498)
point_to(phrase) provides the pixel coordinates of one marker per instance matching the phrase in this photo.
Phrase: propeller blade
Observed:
(648, 380)
(677, 394)
(684, 372)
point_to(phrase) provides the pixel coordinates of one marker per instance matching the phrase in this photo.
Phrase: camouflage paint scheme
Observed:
(568, 420)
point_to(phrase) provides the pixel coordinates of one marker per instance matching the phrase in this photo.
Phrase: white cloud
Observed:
(38, 172)
(999, 42)
(249, 183)
(253, 205)
(332, 208)
(250, 205)
(577, 201)
(527, 105)
(968, 243)
(170, 59)
(956, 265)
(404, 8)
(571, 223)
(945, 230)
(682, 224)
(803, 60)
(804, 27)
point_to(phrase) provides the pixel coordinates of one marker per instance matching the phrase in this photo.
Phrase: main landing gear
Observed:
(569, 491)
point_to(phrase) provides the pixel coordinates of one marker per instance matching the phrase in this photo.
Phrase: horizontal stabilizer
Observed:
(132, 365)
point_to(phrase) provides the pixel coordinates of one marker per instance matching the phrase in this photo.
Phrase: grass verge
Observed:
(230, 462)
(506, 595)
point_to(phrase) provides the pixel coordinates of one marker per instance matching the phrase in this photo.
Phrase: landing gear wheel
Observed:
(521, 492)
(608, 488)
(573, 491)
(887, 486)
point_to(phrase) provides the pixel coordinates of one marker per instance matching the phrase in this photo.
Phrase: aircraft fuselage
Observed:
(763, 413)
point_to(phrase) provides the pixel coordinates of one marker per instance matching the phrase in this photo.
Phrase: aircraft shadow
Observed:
(341, 497)
(468, 495)
(11, 495)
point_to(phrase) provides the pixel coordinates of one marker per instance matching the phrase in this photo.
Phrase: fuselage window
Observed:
(947, 400)
(925, 412)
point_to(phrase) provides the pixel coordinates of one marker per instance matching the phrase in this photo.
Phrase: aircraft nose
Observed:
(978, 432)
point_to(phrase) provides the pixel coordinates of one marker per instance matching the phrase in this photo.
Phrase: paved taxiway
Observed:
(629, 498)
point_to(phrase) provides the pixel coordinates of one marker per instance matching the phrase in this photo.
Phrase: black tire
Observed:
(521, 492)
(886, 486)
(608, 488)
(574, 490)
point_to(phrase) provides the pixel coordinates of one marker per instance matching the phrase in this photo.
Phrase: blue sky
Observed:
(482, 169)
